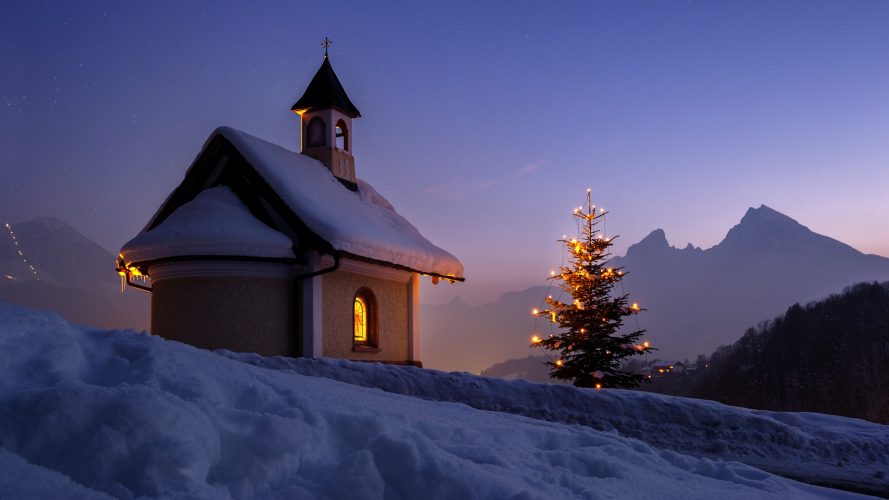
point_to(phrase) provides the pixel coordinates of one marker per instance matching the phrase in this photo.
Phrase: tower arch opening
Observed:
(342, 135)
(315, 133)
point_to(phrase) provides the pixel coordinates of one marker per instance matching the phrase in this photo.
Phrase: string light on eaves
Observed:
(21, 253)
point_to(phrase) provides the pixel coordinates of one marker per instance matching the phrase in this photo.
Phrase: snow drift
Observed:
(89, 414)
(811, 447)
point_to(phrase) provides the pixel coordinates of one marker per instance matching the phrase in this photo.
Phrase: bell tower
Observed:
(326, 114)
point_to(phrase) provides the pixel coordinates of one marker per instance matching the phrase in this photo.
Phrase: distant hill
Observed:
(829, 356)
(460, 337)
(697, 299)
(531, 368)
(71, 275)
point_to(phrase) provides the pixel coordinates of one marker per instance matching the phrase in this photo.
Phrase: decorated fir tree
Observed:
(589, 337)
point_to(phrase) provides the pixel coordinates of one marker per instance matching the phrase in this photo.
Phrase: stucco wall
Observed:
(243, 314)
(338, 291)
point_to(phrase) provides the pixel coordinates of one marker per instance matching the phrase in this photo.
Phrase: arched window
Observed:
(342, 136)
(360, 320)
(315, 133)
(364, 325)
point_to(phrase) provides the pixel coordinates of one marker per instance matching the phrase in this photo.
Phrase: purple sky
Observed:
(483, 124)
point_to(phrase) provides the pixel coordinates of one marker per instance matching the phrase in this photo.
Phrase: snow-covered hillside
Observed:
(811, 447)
(91, 414)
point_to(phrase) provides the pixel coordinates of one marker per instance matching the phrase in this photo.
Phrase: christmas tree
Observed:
(589, 336)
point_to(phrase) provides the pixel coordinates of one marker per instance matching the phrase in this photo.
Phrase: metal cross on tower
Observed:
(326, 43)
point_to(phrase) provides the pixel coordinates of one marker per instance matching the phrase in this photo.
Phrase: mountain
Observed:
(457, 336)
(699, 299)
(47, 264)
(696, 299)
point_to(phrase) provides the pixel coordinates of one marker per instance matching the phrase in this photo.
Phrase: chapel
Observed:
(263, 249)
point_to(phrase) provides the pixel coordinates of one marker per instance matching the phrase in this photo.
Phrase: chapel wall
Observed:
(243, 314)
(338, 290)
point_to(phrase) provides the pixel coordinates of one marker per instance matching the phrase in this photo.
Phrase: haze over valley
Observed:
(696, 300)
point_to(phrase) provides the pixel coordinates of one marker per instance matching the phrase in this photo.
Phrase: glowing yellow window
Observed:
(360, 320)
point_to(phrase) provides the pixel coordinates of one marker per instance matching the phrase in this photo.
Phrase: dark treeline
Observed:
(830, 356)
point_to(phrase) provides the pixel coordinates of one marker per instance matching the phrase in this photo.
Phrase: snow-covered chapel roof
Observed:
(215, 222)
(358, 223)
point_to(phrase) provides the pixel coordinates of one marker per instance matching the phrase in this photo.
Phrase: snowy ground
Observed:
(811, 447)
(90, 414)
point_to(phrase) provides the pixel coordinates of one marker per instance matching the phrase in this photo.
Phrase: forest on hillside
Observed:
(830, 356)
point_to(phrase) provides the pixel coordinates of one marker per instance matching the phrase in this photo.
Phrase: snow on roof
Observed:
(216, 222)
(361, 223)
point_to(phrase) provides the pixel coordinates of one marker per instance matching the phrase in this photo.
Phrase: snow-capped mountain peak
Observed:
(762, 228)
(765, 217)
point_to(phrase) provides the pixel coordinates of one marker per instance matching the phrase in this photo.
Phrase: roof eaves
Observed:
(398, 266)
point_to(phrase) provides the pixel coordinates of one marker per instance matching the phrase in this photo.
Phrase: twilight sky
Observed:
(483, 124)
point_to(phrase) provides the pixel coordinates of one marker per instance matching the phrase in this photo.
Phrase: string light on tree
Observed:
(590, 340)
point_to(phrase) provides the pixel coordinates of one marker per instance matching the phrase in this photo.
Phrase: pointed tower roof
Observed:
(326, 91)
